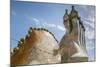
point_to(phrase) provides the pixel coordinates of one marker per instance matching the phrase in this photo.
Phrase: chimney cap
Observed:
(73, 7)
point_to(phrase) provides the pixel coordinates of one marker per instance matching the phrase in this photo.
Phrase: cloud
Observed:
(89, 23)
(90, 44)
(90, 29)
(45, 24)
(55, 26)
(48, 24)
(89, 13)
(90, 34)
(34, 19)
(90, 19)
(60, 27)
(90, 10)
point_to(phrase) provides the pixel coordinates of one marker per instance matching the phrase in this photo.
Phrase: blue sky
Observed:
(50, 16)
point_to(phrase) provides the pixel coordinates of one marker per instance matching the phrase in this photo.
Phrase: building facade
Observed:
(72, 45)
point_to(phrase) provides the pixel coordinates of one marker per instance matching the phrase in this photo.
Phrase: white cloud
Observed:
(90, 48)
(92, 18)
(90, 30)
(45, 24)
(60, 27)
(48, 24)
(90, 45)
(89, 24)
(88, 18)
(90, 34)
(35, 19)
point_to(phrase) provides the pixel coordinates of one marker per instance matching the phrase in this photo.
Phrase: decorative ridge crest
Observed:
(22, 40)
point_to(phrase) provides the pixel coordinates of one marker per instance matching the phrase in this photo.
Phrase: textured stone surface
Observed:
(72, 45)
(38, 48)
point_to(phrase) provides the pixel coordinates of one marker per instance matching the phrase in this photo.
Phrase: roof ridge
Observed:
(22, 40)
